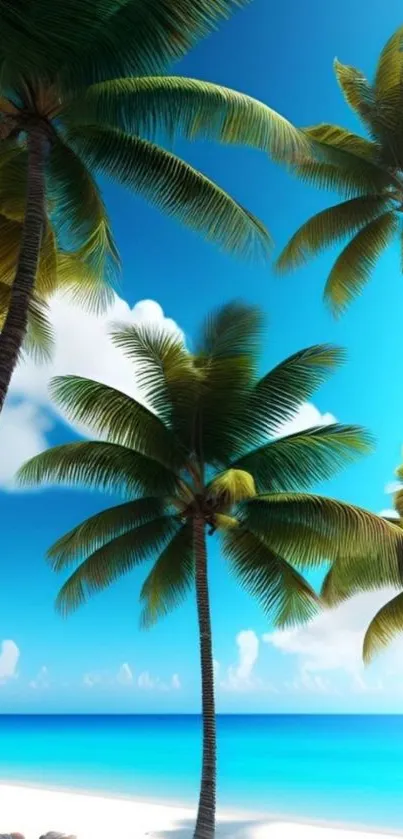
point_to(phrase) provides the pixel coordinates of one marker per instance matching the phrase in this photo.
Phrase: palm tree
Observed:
(200, 455)
(367, 172)
(82, 93)
(370, 573)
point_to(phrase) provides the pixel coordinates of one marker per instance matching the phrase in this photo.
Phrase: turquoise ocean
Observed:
(333, 768)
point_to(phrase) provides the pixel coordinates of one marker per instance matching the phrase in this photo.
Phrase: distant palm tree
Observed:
(367, 172)
(369, 573)
(81, 93)
(204, 457)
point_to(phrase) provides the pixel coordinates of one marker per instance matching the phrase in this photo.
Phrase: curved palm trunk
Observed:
(205, 823)
(15, 325)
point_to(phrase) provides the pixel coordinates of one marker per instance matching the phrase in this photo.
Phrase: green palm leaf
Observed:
(309, 529)
(172, 186)
(279, 394)
(354, 575)
(304, 458)
(283, 594)
(384, 627)
(113, 560)
(165, 374)
(329, 226)
(113, 414)
(192, 108)
(39, 339)
(83, 222)
(356, 262)
(357, 91)
(93, 533)
(139, 39)
(171, 578)
(98, 465)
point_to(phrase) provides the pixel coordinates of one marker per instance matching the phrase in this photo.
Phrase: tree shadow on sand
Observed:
(225, 830)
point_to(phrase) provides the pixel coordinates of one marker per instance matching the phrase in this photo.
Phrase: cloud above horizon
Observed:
(9, 657)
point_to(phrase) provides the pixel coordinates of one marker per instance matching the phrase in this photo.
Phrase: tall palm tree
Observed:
(369, 573)
(81, 93)
(200, 455)
(366, 171)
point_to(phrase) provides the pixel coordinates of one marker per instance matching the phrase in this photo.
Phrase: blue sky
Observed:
(98, 660)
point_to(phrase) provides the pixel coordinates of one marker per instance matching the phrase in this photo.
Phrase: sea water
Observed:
(333, 768)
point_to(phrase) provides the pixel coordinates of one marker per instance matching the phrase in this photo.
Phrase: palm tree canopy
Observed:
(204, 443)
(90, 74)
(369, 573)
(366, 171)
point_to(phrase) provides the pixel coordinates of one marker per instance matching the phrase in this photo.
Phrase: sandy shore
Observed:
(35, 811)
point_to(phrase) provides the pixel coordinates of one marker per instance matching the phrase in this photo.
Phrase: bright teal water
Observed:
(322, 767)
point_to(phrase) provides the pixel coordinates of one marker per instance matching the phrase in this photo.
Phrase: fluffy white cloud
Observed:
(332, 643)
(389, 513)
(23, 428)
(176, 682)
(41, 681)
(9, 657)
(241, 677)
(125, 675)
(82, 347)
(145, 682)
(307, 417)
(392, 487)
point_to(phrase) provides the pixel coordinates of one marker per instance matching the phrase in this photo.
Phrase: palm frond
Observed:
(357, 91)
(384, 627)
(330, 226)
(140, 39)
(232, 330)
(230, 487)
(353, 575)
(356, 262)
(165, 374)
(190, 108)
(281, 591)
(279, 394)
(302, 459)
(83, 223)
(113, 560)
(173, 187)
(170, 579)
(39, 340)
(105, 466)
(93, 533)
(339, 145)
(116, 416)
(310, 529)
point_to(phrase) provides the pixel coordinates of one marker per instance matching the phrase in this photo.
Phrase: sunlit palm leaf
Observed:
(105, 466)
(384, 627)
(305, 458)
(356, 262)
(279, 394)
(330, 226)
(174, 187)
(280, 590)
(357, 91)
(94, 532)
(39, 339)
(170, 579)
(309, 529)
(113, 560)
(192, 108)
(115, 416)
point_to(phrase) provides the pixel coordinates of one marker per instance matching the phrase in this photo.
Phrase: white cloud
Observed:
(124, 675)
(23, 428)
(9, 657)
(42, 680)
(389, 513)
(332, 643)
(307, 417)
(241, 677)
(145, 682)
(175, 682)
(392, 487)
(82, 347)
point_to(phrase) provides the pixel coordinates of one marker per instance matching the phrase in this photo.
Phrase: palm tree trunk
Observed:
(205, 823)
(15, 325)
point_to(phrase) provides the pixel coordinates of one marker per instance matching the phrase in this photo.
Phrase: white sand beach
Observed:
(33, 811)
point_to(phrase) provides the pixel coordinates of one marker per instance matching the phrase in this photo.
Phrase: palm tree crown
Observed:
(367, 172)
(200, 454)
